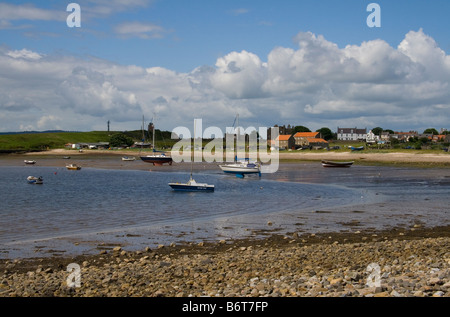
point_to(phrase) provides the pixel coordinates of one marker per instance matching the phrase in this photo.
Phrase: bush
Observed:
(120, 139)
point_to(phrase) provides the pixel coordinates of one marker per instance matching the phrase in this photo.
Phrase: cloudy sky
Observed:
(301, 62)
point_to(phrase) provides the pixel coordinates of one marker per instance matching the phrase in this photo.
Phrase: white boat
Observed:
(35, 180)
(241, 167)
(73, 167)
(29, 162)
(128, 158)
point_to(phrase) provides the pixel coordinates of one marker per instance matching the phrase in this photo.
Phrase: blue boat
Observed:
(356, 148)
(157, 159)
(192, 185)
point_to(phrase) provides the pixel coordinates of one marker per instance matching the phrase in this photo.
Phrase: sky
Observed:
(316, 63)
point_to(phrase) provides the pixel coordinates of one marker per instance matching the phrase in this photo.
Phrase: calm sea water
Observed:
(138, 207)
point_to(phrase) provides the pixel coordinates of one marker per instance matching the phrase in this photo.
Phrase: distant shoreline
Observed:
(442, 160)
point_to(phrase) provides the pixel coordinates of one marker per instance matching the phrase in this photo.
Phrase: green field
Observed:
(57, 140)
(44, 141)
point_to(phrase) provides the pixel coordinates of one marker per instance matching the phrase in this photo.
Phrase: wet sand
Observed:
(316, 155)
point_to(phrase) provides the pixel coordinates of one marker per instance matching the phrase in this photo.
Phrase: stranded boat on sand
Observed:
(73, 167)
(336, 164)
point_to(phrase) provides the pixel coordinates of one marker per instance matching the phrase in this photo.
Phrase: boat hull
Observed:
(157, 160)
(336, 164)
(190, 188)
(35, 180)
(73, 167)
(239, 169)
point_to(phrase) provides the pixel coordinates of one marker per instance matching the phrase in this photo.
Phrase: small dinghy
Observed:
(35, 180)
(336, 164)
(73, 167)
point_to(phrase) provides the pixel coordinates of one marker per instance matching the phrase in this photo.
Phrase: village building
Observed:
(91, 146)
(285, 142)
(372, 138)
(351, 134)
(306, 139)
(438, 138)
(406, 136)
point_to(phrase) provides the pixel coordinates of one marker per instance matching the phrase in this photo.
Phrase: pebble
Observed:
(407, 268)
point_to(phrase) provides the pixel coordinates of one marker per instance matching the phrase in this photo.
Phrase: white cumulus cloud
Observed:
(314, 84)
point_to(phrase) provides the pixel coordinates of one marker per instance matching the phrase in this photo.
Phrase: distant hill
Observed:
(34, 132)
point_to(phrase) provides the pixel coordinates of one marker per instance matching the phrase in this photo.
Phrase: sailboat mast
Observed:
(193, 152)
(153, 124)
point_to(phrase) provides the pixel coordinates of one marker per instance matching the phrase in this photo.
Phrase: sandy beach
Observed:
(306, 155)
(408, 261)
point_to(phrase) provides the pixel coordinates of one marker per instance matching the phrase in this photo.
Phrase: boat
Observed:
(66, 157)
(336, 164)
(35, 180)
(158, 158)
(192, 185)
(73, 167)
(241, 167)
(360, 148)
(29, 162)
(128, 158)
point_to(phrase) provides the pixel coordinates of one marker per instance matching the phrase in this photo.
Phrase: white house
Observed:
(372, 138)
(351, 134)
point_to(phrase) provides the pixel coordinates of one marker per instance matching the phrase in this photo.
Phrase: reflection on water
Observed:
(95, 204)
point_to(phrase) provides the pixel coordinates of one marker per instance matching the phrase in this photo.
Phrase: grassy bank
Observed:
(44, 141)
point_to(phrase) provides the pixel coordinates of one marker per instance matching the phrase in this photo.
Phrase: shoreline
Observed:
(441, 159)
(413, 261)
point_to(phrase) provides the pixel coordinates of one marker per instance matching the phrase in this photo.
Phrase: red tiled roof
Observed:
(283, 137)
(306, 134)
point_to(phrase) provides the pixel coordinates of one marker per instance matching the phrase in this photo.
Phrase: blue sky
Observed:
(167, 56)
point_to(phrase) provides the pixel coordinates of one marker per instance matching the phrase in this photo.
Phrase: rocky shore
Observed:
(396, 263)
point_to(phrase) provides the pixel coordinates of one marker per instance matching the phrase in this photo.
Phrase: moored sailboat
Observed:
(241, 167)
(158, 158)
